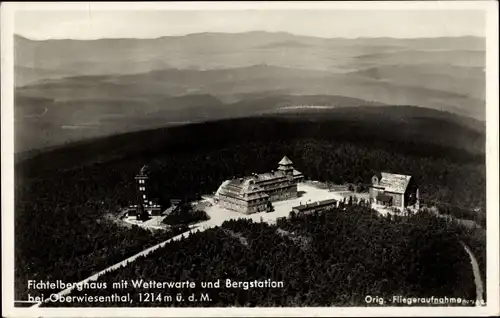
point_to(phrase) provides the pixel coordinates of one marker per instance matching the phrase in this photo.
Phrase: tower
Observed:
(142, 184)
(286, 165)
(417, 203)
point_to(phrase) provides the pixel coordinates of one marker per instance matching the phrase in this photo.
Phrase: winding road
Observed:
(217, 221)
(477, 275)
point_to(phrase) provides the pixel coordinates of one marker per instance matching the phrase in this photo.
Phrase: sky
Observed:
(95, 23)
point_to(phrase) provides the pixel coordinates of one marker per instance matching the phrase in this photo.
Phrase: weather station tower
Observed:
(142, 183)
(146, 206)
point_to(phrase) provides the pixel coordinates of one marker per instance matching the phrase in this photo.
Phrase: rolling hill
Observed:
(211, 50)
(101, 87)
(368, 124)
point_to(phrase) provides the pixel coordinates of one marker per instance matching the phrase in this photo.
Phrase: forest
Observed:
(64, 231)
(64, 197)
(334, 258)
(185, 214)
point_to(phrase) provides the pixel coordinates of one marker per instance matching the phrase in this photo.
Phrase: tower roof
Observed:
(285, 161)
(144, 170)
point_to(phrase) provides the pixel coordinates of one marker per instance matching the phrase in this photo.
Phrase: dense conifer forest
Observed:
(334, 258)
(64, 198)
(185, 214)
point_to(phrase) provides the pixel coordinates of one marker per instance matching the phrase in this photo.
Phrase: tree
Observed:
(270, 207)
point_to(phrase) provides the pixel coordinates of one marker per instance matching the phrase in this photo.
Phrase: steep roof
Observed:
(239, 188)
(144, 171)
(269, 175)
(285, 161)
(395, 183)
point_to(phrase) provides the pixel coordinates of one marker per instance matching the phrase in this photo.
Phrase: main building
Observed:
(254, 193)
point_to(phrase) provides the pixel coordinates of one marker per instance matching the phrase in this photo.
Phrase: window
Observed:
(144, 196)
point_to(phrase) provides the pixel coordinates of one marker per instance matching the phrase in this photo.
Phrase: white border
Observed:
(257, 5)
(492, 160)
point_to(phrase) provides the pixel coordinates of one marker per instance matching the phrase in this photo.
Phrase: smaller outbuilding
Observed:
(317, 206)
(394, 190)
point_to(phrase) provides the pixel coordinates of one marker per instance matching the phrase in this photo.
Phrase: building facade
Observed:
(394, 190)
(253, 194)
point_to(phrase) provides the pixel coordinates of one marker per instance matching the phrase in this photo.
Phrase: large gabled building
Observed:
(253, 193)
(394, 190)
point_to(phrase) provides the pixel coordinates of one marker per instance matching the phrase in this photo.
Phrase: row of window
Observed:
(281, 190)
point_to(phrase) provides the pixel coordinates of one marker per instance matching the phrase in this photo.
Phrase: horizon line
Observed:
(247, 32)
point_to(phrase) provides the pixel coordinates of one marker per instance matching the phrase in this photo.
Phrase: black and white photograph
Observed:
(250, 159)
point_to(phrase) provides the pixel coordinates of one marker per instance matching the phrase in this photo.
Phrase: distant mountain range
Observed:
(153, 78)
(206, 51)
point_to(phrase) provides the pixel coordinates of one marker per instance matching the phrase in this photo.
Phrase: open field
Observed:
(307, 193)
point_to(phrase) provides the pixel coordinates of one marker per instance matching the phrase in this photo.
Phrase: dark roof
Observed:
(297, 173)
(244, 189)
(314, 205)
(269, 175)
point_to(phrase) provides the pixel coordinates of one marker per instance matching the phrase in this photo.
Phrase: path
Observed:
(477, 275)
(199, 227)
(475, 266)
(217, 217)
